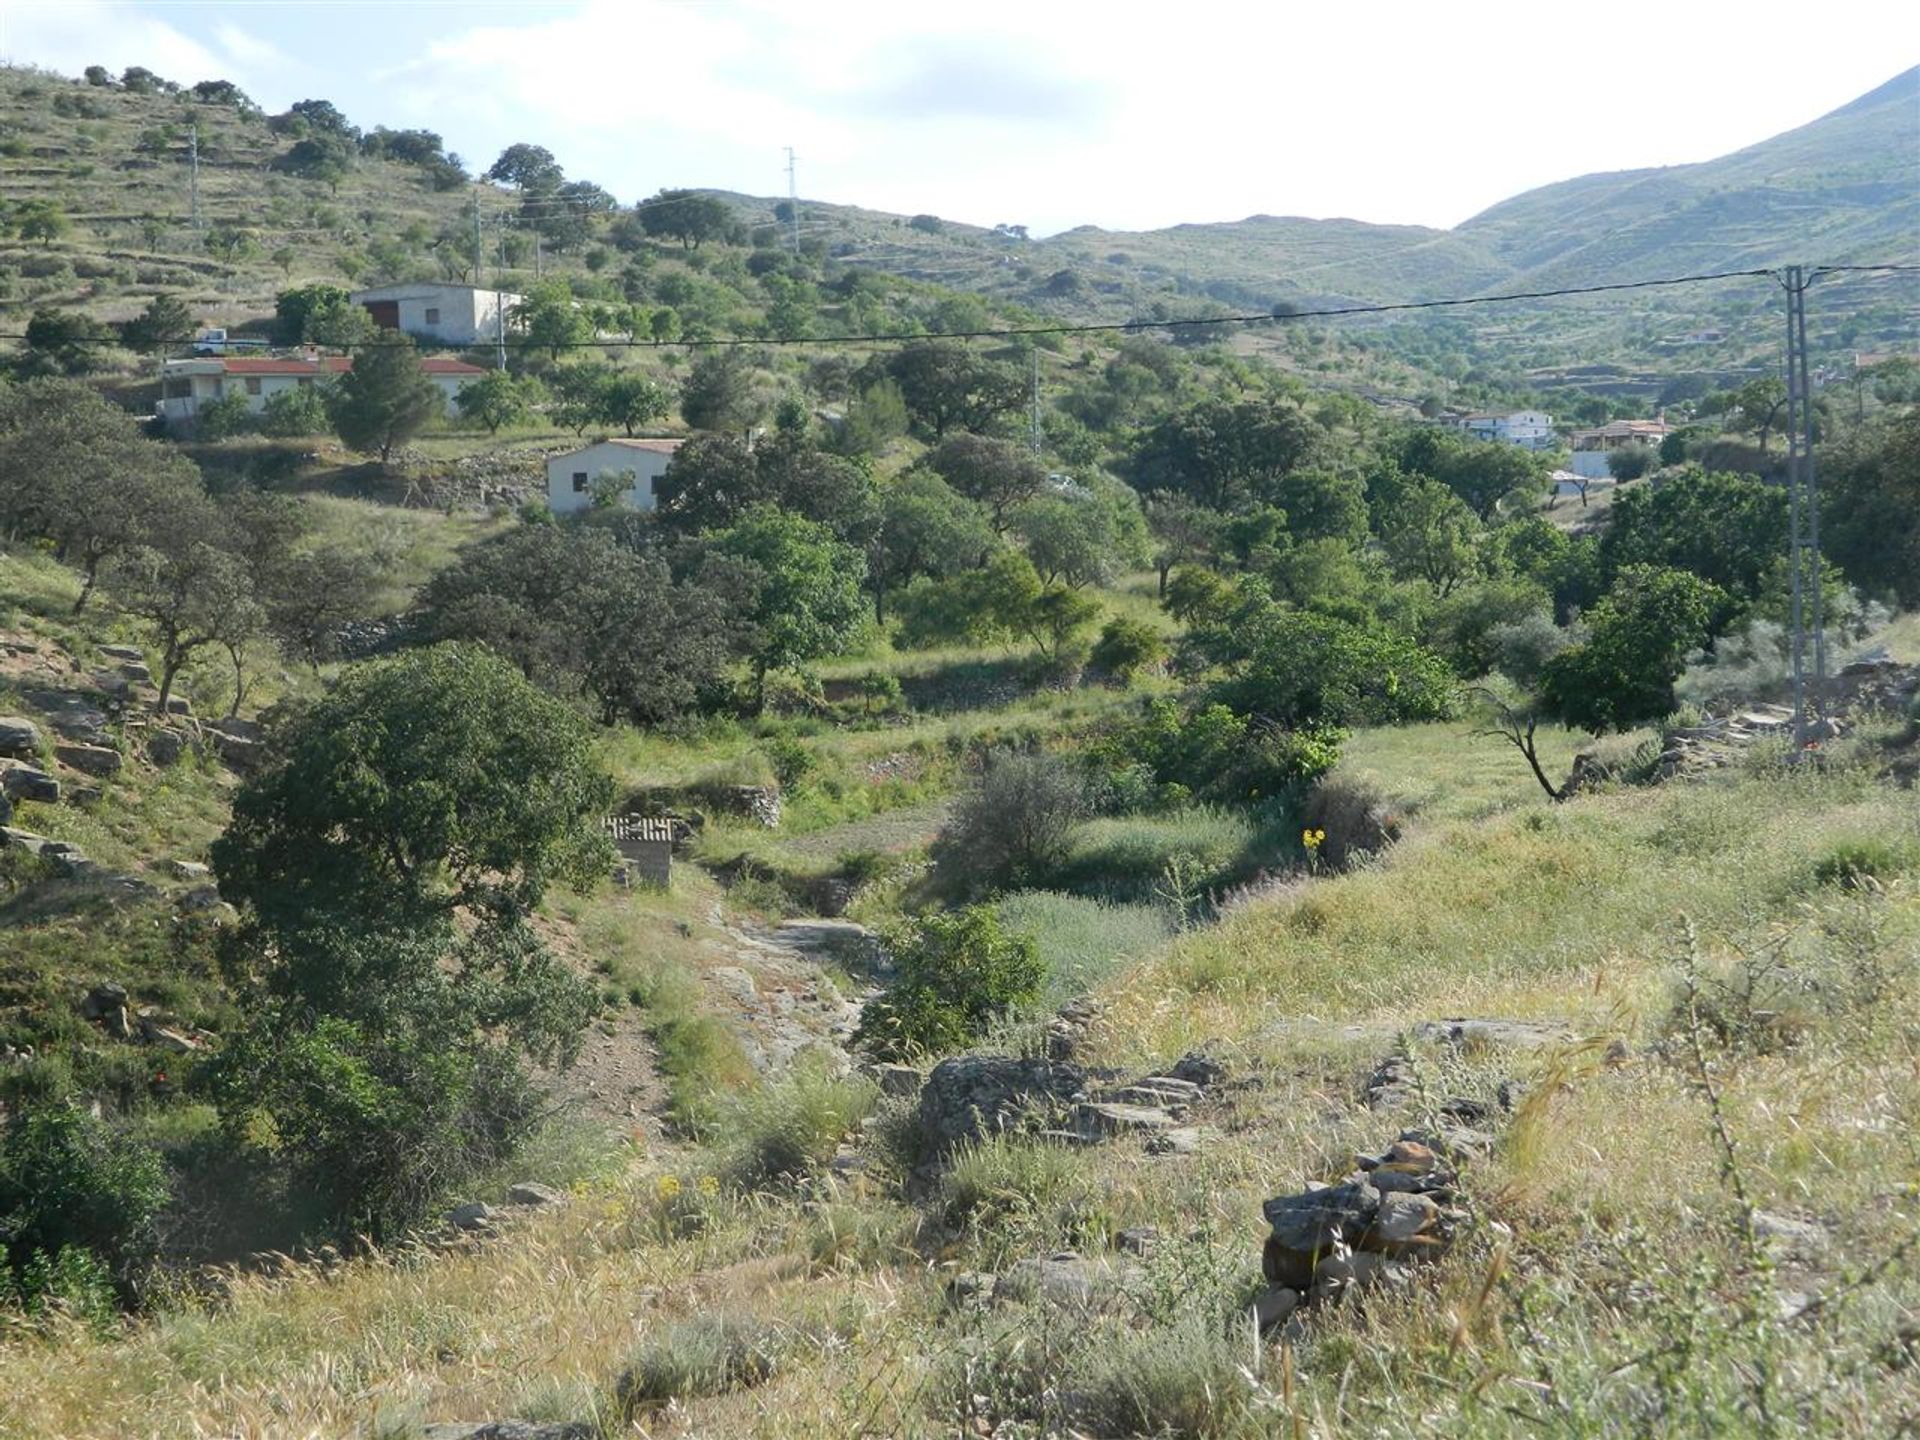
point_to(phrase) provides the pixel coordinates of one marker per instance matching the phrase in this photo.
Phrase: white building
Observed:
(1529, 429)
(638, 463)
(186, 385)
(1591, 447)
(448, 314)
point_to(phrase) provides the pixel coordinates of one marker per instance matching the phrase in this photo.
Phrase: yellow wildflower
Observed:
(667, 1186)
(709, 1185)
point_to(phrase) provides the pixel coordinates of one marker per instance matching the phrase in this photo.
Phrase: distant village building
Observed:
(574, 479)
(1529, 429)
(444, 314)
(186, 385)
(645, 843)
(1591, 447)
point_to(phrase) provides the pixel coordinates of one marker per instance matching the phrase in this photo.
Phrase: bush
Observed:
(1854, 863)
(1011, 827)
(957, 974)
(1354, 816)
(1018, 1194)
(291, 414)
(705, 1355)
(224, 418)
(1126, 647)
(789, 1131)
(77, 1202)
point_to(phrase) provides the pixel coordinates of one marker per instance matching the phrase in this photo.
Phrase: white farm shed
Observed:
(571, 477)
(448, 314)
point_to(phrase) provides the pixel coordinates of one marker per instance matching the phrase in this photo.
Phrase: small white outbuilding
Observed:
(574, 479)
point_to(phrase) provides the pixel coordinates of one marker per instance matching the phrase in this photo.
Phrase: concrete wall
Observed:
(651, 861)
(646, 466)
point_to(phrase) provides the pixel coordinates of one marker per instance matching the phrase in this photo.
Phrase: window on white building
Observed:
(433, 315)
(253, 384)
(579, 482)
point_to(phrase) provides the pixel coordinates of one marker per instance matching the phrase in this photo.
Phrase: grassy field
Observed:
(1608, 1279)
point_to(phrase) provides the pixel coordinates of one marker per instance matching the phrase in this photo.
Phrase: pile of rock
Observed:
(1396, 1209)
(107, 1006)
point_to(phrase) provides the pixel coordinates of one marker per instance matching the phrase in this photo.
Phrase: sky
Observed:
(1044, 113)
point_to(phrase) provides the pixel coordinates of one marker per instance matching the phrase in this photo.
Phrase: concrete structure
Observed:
(571, 477)
(445, 314)
(1591, 447)
(1529, 429)
(645, 843)
(186, 385)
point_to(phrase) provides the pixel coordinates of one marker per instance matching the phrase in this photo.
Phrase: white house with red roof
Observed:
(629, 467)
(186, 385)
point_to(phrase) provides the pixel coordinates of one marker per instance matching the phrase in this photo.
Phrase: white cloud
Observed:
(246, 50)
(70, 35)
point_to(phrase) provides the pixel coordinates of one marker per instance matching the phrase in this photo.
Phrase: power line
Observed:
(1109, 327)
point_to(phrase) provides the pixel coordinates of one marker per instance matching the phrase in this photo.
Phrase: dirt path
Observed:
(789, 988)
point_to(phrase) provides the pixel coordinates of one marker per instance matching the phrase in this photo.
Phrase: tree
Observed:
(1638, 640)
(319, 315)
(579, 613)
(1727, 529)
(1757, 405)
(715, 479)
(926, 527)
(308, 116)
(140, 490)
(1126, 647)
(41, 220)
(59, 342)
(495, 399)
(1485, 474)
(1870, 510)
(384, 1045)
(315, 594)
(385, 399)
(1224, 454)
(436, 782)
(996, 474)
(956, 975)
(807, 595)
(528, 168)
(1628, 462)
(1295, 669)
(1323, 504)
(686, 216)
(191, 594)
(718, 393)
(98, 75)
(550, 318)
(321, 156)
(947, 385)
(1182, 530)
(1070, 538)
(630, 400)
(290, 414)
(165, 321)
(1430, 535)
(232, 241)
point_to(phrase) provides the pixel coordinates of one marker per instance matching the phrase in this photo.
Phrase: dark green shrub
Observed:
(77, 1203)
(958, 973)
(1126, 647)
(705, 1355)
(1852, 863)
(1012, 826)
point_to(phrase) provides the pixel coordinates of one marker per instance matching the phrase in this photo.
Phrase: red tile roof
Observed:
(335, 365)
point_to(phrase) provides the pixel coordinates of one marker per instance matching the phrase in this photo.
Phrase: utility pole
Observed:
(500, 302)
(793, 205)
(193, 176)
(476, 239)
(1803, 520)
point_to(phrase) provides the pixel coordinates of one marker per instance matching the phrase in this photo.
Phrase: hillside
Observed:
(1844, 188)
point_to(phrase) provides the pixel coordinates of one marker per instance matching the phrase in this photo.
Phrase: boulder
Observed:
(969, 1096)
(163, 746)
(1198, 1068)
(240, 753)
(898, 1080)
(123, 652)
(21, 781)
(1273, 1306)
(89, 759)
(1308, 1227)
(188, 870)
(1110, 1118)
(179, 705)
(1062, 1278)
(19, 737)
(135, 672)
(531, 1192)
(199, 898)
(1183, 1140)
(1140, 1240)
(473, 1215)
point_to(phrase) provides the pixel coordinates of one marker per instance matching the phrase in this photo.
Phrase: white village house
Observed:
(1529, 429)
(445, 314)
(1591, 447)
(186, 385)
(571, 477)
